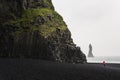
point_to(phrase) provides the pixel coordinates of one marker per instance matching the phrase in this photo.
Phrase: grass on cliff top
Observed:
(46, 29)
(32, 13)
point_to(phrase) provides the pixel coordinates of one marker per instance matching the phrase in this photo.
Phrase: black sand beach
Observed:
(28, 69)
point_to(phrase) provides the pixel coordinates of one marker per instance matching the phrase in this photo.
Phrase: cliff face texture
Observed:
(32, 29)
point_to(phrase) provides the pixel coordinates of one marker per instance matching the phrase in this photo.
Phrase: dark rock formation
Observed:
(90, 54)
(32, 29)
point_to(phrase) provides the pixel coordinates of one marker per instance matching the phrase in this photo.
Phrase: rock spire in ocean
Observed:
(90, 54)
(33, 29)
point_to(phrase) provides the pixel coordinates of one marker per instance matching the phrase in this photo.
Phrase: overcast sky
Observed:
(93, 21)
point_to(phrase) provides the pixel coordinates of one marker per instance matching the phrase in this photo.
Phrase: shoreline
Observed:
(107, 59)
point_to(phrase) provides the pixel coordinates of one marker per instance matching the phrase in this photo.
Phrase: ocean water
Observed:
(110, 59)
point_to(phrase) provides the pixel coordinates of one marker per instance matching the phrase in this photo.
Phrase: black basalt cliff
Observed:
(33, 29)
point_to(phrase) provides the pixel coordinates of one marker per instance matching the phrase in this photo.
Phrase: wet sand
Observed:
(28, 69)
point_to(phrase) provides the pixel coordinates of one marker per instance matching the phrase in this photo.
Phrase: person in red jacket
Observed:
(104, 63)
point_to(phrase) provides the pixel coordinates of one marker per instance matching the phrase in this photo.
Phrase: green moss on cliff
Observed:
(32, 13)
(48, 4)
(49, 22)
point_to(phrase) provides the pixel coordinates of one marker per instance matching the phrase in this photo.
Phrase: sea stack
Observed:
(33, 29)
(90, 54)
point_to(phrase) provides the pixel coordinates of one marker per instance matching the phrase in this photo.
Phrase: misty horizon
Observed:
(93, 21)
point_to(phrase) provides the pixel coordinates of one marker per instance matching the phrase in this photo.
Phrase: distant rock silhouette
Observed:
(90, 54)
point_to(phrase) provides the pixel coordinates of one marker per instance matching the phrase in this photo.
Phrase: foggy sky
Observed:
(93, 21)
